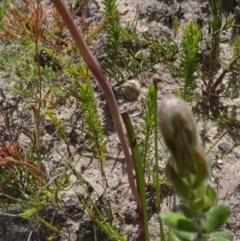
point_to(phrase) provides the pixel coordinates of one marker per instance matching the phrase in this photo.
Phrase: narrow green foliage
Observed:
(135, 61)
(150, 140)
(112, 233)
(57, 123)
(44, 63)
(95, 213)
(80, 72)
(175, 26)
(147, 131)
(189, 61)
(29, 212)
(234, 85)
(139, 172)
(161, 49)
(153, 91)
(216, 27)
(113, 30)
(21, 66)
(92, 120)
(3, 8)
(236, 45)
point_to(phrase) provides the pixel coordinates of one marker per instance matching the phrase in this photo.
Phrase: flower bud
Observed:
(179, 131)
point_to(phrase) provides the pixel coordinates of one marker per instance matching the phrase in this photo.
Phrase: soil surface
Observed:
(154, 18)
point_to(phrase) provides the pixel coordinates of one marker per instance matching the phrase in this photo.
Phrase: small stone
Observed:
(223, 146)
(237, 154)
(131, 89)
(220, 161)
(93, 9)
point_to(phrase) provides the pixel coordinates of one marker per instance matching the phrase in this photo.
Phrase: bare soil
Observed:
(155, 18)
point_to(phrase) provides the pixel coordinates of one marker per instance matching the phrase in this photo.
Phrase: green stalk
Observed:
(158, 197)
(108, 230)
(147, 130)
(139, 173)
(75, 172)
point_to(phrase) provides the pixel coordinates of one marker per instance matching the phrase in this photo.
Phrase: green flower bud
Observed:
(179, 131)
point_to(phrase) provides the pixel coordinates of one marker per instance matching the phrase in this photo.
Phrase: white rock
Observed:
(220, 161)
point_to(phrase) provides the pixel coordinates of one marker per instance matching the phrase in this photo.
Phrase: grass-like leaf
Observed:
(139, 172)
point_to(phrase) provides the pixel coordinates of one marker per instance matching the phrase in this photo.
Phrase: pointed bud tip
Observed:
(175, 116)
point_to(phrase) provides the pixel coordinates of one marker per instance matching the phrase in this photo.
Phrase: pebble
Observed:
(131, 89)
(220, 161)
(223, 146)
(237, 154)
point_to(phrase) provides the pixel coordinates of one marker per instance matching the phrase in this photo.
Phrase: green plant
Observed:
(43, 58)
(155, 50)
(23, 174)
(139, 173)
(233, 88)
(217, 26)
(106, 87)
(4, 7)
(95, 213)
(189, 63)
(135, 61)
(22, 177)
(147, 131)
(92, 121)
(114, 35)
(187, 171)
(58, 124)
(24, 24)
(141, 163)
(175, 26)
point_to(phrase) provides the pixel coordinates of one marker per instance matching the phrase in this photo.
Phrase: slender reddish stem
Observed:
(97, 71)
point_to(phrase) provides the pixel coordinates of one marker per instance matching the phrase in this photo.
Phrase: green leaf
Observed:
(138, 168)
(183, 236)
(189, 213)
(28, 213)
(1, 13)
(216, 218)
(34, 204)
(219, 239)
(173, 237)
(212, 197)
(200, 199)
(224, 234)
(179, 222)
